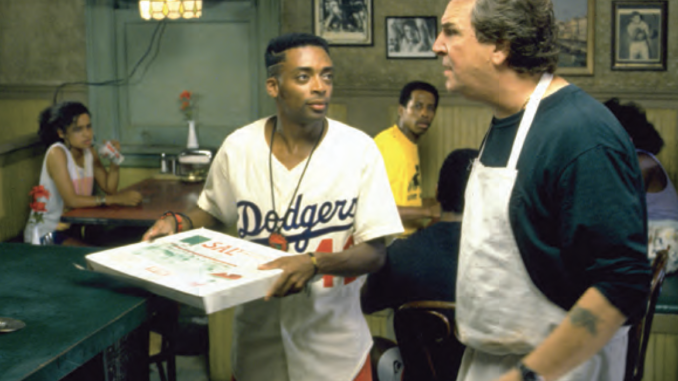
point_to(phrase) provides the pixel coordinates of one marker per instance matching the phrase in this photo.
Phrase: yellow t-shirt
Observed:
(401, 158)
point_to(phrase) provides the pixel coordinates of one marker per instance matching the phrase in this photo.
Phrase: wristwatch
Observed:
(528, 374)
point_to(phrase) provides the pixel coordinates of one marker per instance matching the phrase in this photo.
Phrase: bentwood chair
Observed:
(639, 334)
(425, 331)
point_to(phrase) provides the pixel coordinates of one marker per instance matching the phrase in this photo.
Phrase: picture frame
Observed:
(344, 22)
(576, 29)
(410, 36)
(639, 35)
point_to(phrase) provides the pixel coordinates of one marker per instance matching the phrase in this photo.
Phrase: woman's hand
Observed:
(126, 198)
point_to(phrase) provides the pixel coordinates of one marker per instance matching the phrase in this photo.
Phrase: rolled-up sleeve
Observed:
(604, 227)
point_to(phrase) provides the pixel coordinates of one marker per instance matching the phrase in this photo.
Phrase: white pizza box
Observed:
(202, 268)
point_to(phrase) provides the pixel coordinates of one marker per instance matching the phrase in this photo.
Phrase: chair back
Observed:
(639, 334)
(425, 331)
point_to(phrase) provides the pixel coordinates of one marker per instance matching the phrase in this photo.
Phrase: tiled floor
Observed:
(189, 368)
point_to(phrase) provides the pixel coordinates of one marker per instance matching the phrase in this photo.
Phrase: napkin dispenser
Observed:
(193, 164)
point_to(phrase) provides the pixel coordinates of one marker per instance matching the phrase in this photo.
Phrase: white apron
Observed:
(501, 315)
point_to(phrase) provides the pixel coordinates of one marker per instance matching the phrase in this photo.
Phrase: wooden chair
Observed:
(425, 331)
(179, 337)
(166, 323)
(639, 334)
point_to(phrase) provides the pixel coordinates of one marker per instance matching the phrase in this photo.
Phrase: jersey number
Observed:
(325, 246)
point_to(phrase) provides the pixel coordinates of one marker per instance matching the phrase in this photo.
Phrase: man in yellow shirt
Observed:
(398, 146)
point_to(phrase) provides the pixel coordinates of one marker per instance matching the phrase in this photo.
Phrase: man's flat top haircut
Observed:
(275, 52)
(406, 92)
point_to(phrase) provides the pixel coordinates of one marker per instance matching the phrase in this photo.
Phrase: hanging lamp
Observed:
(171, 9)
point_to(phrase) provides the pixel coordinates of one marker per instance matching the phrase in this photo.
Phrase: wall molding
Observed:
(42, 91)
(635, 94)
(39, 91)
(19, 143)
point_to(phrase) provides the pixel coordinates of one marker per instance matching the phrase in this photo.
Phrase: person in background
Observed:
(68, 173)
(411, 40)
(552, 260)
(661, 197)
(660, 193)
(317, 189)
(398, 146)
(423, 266)
(639, 37)
(334, 15)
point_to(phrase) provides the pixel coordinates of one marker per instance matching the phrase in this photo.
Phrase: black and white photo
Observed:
(639, 35)
(343, 22)
(410, 37)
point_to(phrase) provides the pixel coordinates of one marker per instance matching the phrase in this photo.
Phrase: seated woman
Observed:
(661, 196)
(68, 173)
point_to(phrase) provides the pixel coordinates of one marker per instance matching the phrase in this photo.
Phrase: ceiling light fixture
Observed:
(171, 9)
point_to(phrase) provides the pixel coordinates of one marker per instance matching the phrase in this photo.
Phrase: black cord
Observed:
(270, 174)
(121, 81)
(155, 54)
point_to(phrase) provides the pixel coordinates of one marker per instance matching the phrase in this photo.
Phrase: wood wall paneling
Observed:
(660, 359)
(20, 117)
(338, 112)
(19, 172)
(666, 123)
(454, 127)
(221, 338)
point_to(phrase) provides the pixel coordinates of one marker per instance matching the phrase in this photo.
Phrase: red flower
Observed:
(185, 95)
(38, 206)
(39, 191)
(186, 104)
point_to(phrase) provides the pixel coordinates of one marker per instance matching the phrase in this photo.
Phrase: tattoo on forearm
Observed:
(581, 317)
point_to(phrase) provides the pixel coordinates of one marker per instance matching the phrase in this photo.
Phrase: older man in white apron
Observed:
(552, 255)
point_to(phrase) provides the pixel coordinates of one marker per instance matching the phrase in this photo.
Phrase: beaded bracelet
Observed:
(187, 218)
(177, 220)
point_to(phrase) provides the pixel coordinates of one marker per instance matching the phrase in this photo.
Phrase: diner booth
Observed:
(135, 75)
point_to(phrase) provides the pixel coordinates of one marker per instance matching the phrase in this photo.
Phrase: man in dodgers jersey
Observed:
(318, 188)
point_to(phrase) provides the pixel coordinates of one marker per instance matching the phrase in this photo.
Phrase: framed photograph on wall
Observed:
(411, 36)
(639, 34)
(576, 26)
(344, 22)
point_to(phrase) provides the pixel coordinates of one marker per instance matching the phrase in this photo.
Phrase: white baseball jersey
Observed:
(344, 198)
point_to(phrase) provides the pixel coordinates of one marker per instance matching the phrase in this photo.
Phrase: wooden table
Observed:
(78, 322)
(159, 196)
